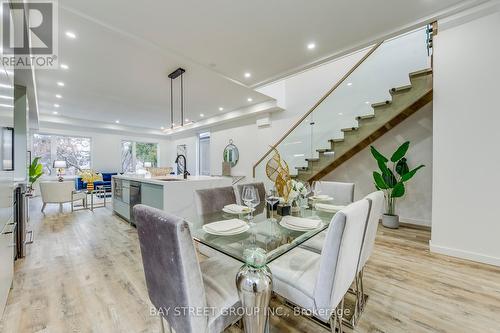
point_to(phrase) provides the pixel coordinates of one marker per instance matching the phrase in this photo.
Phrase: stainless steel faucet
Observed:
(186, 173)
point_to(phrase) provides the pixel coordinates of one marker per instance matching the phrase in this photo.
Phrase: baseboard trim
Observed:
(412, 221)
(473, 256)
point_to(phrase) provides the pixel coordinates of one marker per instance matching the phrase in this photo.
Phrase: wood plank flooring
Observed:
(84, 274)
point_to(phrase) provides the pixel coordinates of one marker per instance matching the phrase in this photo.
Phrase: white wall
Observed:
(296, 94)
(106, 147)
(466, 220)
(416, 206)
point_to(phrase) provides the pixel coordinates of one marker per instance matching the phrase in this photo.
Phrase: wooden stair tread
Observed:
(312, 159)
(336, 140)
(349, 129)
(422, 72)
(368, 116)
(401, 89)
(380, 104)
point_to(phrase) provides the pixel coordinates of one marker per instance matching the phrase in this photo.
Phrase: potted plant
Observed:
(35, 171)
(391, 179)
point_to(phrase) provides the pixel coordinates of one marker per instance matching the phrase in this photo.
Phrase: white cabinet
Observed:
(6, 263)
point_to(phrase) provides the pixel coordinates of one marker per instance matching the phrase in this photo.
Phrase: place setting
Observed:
(226, 227)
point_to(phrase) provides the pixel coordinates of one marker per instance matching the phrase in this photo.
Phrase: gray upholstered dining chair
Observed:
(212, 200)
(342, 193)
(262, 194)
(376, 207)
(318, 282)
(176, 281)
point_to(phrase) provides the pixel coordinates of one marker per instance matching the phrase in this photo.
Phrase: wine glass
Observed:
(308, 191)
(271, 199)
(249, 196)
(316, 188)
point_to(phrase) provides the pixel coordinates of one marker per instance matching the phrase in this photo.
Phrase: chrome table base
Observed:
(254, 285)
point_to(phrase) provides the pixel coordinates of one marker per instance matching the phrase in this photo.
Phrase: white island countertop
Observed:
(162, 180)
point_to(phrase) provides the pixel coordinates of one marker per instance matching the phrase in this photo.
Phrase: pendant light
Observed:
(179, 72)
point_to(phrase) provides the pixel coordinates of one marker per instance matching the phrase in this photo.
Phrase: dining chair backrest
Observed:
(377, 205)
(56, 192)
(258, 186)
(212, 200)
(340, 256)
(173, 275)
(342, 193)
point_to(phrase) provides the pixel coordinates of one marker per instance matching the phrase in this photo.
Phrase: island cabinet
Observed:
(152, 195)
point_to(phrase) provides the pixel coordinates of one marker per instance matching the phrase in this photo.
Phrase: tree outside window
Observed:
(135, 155)
(74, 150)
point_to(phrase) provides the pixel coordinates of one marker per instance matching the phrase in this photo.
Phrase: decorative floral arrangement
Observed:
(298, 191)
(89, 176)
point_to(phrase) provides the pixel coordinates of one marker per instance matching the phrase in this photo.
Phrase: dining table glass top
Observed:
(265, 235)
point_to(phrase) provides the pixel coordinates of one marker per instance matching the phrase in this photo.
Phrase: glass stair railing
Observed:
(379, 79)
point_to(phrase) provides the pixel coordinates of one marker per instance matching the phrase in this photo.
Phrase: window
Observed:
(74, 150)
(138, 155)
(204, 153)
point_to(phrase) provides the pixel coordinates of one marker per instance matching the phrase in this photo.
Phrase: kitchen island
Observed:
(172, 194)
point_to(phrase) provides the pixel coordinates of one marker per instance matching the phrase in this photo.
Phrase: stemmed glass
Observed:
(271, 199)
(307, 187)
(251, 199)
(316, 188)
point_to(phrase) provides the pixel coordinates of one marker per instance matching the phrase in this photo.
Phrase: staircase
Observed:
(395, 73)
(405, 101)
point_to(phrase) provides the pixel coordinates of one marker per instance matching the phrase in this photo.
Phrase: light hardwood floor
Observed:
(84, 274)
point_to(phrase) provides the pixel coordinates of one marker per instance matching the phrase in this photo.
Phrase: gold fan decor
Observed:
(278, 172)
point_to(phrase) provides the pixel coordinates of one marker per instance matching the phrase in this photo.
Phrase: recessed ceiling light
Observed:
(60, 84)
(249, 99)
(349, 84)
(117, 121)
(341, 114)
(248, 75)
(221, 109)
(58, 96)
(186, 120)
(56, 105)
(162, 128)
(202, 115)
(367, 103)
(55, 112)
(311, 46)
(70, 34)
(6, 97)
(64, 66)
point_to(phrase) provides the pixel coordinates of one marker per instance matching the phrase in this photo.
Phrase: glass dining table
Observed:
(266, 240)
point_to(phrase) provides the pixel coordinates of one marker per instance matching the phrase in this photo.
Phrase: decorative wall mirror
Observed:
(231, 154)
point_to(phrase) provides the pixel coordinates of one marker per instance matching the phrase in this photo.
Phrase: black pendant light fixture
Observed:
(179, 72)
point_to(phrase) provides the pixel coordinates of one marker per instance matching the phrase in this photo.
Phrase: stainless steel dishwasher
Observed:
(135, 198)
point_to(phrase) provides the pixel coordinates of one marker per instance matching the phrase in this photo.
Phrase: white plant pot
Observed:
(390, 221)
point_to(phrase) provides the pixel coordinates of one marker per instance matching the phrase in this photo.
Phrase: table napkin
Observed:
(328, 208)
(301, 222)
(225, 225)
(237, 208)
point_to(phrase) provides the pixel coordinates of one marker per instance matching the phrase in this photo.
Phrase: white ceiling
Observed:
(124, 50)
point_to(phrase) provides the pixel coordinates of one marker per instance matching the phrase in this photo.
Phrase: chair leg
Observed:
(333, 321)
(60, 208)
(43, 207)
(72, 206)
(362, 290)
(162, 325)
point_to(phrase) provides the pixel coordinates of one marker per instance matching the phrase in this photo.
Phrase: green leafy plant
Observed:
(35, 170)
(393, 175)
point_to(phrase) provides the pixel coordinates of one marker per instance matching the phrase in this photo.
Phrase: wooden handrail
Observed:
(328, 93)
